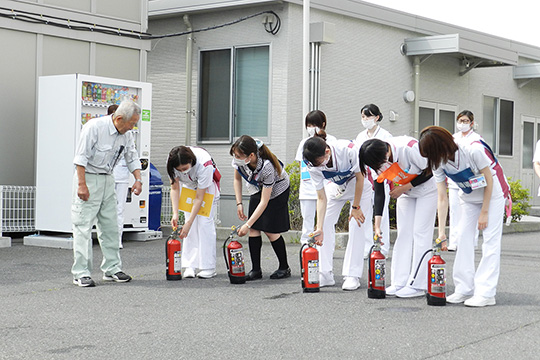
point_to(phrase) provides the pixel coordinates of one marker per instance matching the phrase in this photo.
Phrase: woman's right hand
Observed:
(240, 212)
(174, 221)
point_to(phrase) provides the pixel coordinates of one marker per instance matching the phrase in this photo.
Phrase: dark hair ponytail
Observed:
(179, 155)
(373, 154)
(372, 110)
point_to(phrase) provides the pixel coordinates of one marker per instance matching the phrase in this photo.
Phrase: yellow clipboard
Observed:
(186, 201)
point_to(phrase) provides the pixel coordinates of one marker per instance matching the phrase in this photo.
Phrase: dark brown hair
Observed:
(179, 155)
(437, 145)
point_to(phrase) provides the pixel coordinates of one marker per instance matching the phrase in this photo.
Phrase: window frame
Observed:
(496, 146)
(233, 88)
(437, 108)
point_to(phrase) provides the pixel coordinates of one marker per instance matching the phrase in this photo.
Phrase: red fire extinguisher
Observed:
(377, 271)
(173, 256)
(234, 258)
(309, 266)
(436, 292)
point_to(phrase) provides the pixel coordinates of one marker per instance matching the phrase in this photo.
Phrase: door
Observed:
(530, 132)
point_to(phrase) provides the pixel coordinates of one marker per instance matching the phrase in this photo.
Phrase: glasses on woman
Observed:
(464, 121)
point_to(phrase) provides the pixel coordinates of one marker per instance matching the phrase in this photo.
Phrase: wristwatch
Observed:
(356, 207)
(139, 180)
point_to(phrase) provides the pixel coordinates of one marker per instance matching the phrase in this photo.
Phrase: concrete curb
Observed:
(293, 236)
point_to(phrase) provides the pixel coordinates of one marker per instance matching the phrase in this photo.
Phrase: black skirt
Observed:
(275, 218)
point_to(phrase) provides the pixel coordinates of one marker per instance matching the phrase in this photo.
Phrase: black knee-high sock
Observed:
(255, 244)
(281, 252)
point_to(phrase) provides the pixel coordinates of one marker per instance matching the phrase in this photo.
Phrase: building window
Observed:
(234, 93)
(498, 124)
(442, 115)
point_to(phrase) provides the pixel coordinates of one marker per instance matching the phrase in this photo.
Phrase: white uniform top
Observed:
(121, 172)
(307, 189)
(344, 165)
(101, 146)
(201, 175)
(380, 134)
(473, 156)
(406, 153)
(536, 158)
(463, 140)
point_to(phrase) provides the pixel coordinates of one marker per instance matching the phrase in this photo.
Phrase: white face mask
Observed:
(312, 130)
(384, 167)
(369, 123)
(324, 162)
(186, 171)
(241, 162)
(463, 127)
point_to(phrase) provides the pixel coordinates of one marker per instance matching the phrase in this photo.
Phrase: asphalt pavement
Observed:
(44, 316)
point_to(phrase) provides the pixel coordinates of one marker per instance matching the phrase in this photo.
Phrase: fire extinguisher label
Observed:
(313, 272)
(177, 261)
(380, 272)
(437, 279)
(237, 262)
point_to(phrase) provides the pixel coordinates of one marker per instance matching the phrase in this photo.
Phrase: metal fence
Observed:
(17, 208)
(166, 208)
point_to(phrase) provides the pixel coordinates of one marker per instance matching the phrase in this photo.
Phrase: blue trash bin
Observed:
(154, 199)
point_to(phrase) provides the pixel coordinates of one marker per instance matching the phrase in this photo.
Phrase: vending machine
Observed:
(65, 104)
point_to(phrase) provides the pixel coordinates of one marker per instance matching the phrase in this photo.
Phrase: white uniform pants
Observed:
(121, 189)
(385, 223)
(484, 281)
(353, 263)
(415, 223)
(199, 247)
(308, 208)
(455, 215)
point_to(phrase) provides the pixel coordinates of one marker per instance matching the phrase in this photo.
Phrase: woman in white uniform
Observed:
(268, 184)
(483, 190)
(465, 135)
(193, 168)
(398, 160)
(337, 163)
(371, 119)
(315, 121)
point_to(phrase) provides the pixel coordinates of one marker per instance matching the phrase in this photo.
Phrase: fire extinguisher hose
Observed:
(225, 252)
(370, 280)
(418, 267)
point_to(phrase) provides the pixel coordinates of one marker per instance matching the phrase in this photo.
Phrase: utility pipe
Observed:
(305, 67)
(416, 96)
(189, 63)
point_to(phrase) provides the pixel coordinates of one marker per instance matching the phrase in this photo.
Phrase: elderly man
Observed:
(103, 141)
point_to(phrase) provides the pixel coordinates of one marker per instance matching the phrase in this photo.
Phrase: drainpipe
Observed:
(416, 96)
(305, 65)
(189, 63)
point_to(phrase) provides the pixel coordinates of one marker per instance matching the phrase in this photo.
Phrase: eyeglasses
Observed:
(464, 121)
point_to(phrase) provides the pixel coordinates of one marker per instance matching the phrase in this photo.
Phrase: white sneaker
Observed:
(206, 274)
(188, 273)
(457, 298)
(410, 292)
(326, 279)
(350, 283)
(452, 247)
(392, 290)
(480, 301)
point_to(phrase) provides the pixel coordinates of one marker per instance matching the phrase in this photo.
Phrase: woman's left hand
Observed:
(358, 215)
(483, 220)
(244, 229)
(185, 230)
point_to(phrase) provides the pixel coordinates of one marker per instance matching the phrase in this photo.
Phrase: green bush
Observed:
(520, 200)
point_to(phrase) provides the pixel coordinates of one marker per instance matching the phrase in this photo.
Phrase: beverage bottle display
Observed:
(84, 91)
(98, 93)
(103, 94)
(108, 95)
(89, 92)
(94, 93)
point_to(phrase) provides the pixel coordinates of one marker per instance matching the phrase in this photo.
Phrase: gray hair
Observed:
(127, 109)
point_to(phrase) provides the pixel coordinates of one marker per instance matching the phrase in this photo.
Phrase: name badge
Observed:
(478, 182)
